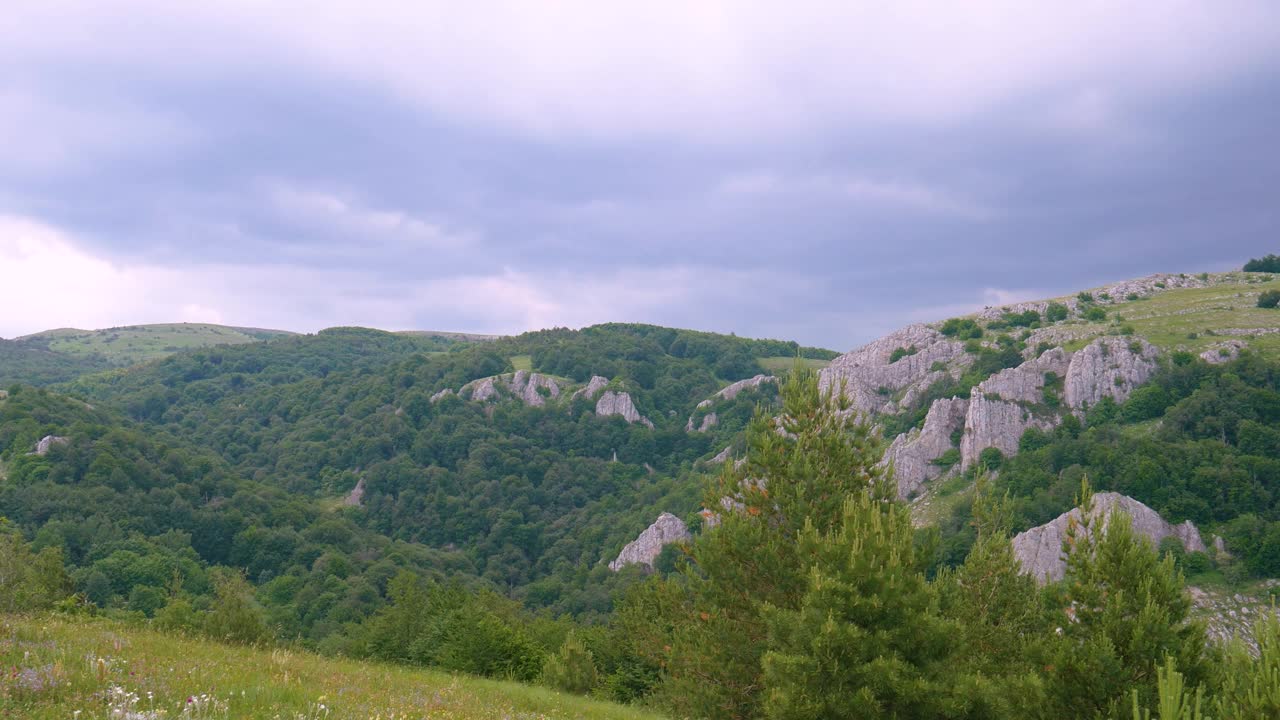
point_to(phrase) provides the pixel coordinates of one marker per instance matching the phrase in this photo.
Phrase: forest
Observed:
(205, 494)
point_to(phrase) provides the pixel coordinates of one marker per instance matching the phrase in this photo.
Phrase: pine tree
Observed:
(1250, 685)
(1000, 620)
(1126, 612)
(867, 640)
(799, 468)
(572, 669)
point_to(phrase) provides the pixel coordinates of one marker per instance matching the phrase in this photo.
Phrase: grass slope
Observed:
(55, 667)
(140, 343)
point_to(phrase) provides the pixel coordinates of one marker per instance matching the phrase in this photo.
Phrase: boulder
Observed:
(644, 550)
(1223, 352)
(441, 395)
(912, 453)
(527, 386)
(1039, 550)
(708, 421)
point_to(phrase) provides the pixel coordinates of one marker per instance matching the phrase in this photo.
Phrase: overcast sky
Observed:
(816, 171)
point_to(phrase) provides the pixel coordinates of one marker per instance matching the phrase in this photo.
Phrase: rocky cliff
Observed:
(645, 549)
(1108, 367)
(533, 389)
(913, 453)
(1039, 550)
(912, 358)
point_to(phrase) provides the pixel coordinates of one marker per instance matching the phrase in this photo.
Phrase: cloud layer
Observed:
(822, 171)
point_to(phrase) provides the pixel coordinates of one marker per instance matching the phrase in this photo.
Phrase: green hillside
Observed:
(58, 667)
(133, 344)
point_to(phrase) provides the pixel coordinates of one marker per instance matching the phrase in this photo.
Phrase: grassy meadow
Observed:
(140, 343)
(60, 667)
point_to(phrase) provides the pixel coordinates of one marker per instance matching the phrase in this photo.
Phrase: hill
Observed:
(133, 344)
(58, 667)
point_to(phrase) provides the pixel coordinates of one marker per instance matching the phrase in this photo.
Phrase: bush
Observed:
(1085, 297)
(1267, 263)
(901, 352)
(1269, 299)
(1055, 312)
(961, 329)
(991, 458)
(1095, 314)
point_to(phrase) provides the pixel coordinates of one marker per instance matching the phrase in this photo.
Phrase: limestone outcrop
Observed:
(644, 550)
(912, 453)
(996, 423)
(1039, 550)
(722, 456)
(1025, 383)
(356, 497)
(532, 389)
(734, 389)
(871, 375)
(592, 388)
(619, 403)
(48, 441)
(1108, 367)
(708, 421)
(441, 395)
(1223, 352)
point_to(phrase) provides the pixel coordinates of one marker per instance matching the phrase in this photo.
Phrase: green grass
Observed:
(56, 667)
(784, 363)
(522, 362)
(1168, 319)
(140, 343)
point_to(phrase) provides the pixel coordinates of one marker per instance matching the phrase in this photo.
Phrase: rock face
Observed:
(645, 549)
(48, 441)
(708, 421)
(721, 456)
(593, 387)
(1025, 383)
(912, 453)
(527, 386)
(998, 424)
(441, 395)
(619, 403)
(870, 377)
(356, 496)
(1108, 367)
(733, 390)
(1223, 352)
(1039, 549)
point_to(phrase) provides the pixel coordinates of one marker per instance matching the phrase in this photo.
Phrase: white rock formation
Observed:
(1108, 367)
(1025, 383)
(734, 389)
(998, 424)
(619, 403)
(867, 370)
(356, 496)
(1223, 352)
(592, 388)
(912, 452)
(645, 549)
(441, 395)
(722, 456)
(708, 421)
(1039, 550)
(526, 386)
(48, 441)
(480, 390)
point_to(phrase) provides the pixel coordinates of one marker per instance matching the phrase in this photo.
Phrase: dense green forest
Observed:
(208, 492)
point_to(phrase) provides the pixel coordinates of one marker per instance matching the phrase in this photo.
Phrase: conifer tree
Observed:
(867, 640)
(799, 468)
(1126, 611)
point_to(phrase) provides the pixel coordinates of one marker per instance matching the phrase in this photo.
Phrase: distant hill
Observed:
(133, 344)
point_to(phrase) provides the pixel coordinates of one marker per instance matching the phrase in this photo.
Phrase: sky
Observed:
(818, 171)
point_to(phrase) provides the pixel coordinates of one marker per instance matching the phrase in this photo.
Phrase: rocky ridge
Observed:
(1039, 549)
(644, 550)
